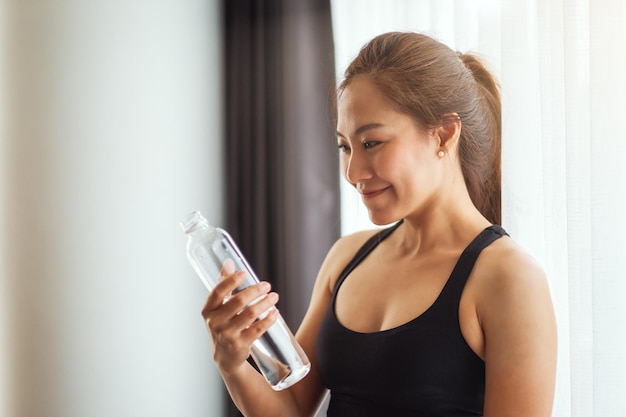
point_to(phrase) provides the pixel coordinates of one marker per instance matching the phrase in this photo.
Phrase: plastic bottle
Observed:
(277, 354)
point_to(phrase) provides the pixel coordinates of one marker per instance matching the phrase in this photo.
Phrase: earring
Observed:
(441, 154)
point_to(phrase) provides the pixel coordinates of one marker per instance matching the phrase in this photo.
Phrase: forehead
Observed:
(362, 94)
(361, 102)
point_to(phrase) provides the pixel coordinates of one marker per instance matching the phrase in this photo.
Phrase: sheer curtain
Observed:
(562, 66)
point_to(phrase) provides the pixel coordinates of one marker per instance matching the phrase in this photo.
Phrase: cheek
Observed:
(396, 169)
(408, 174)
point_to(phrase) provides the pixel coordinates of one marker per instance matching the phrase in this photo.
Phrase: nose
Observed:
(356, 168)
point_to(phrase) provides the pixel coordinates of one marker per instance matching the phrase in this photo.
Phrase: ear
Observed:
(449, 132)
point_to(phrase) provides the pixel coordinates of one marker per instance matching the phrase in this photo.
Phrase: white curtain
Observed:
(562, 65)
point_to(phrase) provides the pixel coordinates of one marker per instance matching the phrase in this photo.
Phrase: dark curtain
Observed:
(281, 163)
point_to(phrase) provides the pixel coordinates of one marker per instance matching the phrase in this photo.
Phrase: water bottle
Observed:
(277, 354)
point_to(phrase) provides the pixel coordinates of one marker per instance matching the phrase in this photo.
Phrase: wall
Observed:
(113, 133)
(4, 380)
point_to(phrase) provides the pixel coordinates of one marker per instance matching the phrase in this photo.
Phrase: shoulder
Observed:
(505, 269)
(512, 297)
(341, 253)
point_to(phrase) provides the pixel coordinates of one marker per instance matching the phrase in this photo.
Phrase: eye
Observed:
(343, 148)
(370, 144)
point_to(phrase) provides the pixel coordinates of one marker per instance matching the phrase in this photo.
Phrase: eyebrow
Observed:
(363, 128)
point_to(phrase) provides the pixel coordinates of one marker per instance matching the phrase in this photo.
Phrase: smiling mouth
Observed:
(372, 194)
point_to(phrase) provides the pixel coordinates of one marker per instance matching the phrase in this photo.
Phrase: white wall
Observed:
(114, 133)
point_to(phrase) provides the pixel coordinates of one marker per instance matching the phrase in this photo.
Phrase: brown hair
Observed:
(429, 81)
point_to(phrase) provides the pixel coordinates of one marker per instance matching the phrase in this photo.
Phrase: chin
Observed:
(380, 220)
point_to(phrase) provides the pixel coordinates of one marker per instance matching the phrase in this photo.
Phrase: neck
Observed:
(450, 221)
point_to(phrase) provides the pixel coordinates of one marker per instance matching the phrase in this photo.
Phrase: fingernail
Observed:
(265, 286)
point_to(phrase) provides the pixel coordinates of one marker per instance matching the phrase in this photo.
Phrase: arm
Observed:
(517, 318)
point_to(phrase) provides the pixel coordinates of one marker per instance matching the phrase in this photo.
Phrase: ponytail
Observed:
(481, 155)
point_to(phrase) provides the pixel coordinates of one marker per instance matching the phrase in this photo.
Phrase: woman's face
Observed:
(385, 155)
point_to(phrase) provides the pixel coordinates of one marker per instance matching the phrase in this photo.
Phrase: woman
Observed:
(440, 314)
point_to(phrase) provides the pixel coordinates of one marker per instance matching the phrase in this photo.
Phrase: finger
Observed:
(222, 290)
(242, 329)
(260, 326)
(244, 299)
(254, 311)
(229, 322)
(228, 267)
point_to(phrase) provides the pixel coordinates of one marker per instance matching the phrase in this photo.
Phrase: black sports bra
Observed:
(423, 368)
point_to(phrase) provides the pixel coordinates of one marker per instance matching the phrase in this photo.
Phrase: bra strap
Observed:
(363, 251)
(466, 262)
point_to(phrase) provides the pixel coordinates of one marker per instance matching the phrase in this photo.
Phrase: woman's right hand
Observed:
(232, 321)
